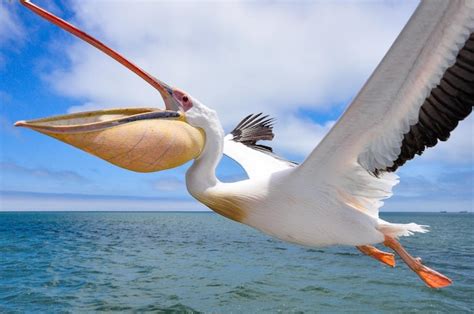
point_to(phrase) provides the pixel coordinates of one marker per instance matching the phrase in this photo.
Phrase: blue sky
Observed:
(302, 63)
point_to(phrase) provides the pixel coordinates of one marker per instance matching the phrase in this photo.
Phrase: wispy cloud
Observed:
(7, 126)
(449, 191)
(12, 32)
(299, 136)
(5, 98)
(168, 184)
(43, 173)
(28, 201)
(452, 185)
(459, 148)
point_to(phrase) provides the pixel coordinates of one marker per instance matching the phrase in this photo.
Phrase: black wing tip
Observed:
(448, 103)
(257, 127)
(254, 128)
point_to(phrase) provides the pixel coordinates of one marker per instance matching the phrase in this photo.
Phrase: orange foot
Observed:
(384, 257)
(432, 278)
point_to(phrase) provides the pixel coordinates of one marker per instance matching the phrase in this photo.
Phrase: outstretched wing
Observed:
(417, 95)
(242, 146)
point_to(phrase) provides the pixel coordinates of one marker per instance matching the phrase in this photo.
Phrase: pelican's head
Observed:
(197, 114)
(138, 139)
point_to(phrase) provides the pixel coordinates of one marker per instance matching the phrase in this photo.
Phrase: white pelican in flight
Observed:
(416, 96)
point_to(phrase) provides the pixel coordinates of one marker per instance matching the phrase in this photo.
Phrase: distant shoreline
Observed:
(199, 211)
(24, 201)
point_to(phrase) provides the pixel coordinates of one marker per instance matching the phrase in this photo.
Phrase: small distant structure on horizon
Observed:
(443, 212)
(463, 212)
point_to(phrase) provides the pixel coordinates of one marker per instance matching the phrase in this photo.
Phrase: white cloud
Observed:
(458, 148)
(168, 184)
(27, 201)
(7, 126)
(88, 106)
(236, 57)
(10, 27)
(11, 30)
(299, 136)
(426, 205)
(43, 173)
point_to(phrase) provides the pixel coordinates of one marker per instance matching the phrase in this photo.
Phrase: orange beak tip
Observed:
(20, 123)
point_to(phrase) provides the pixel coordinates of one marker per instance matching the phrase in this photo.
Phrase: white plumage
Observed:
(337, 196)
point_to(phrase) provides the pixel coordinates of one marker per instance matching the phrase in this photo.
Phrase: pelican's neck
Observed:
(202, 174)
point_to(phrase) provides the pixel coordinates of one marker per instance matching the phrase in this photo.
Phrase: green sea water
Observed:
(201, 262)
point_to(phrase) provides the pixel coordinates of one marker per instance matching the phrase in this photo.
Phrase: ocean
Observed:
(201, 262)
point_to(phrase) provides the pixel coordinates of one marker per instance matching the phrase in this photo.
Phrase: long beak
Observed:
(137, 139)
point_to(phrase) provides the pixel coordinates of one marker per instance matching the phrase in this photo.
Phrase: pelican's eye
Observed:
(184, 100)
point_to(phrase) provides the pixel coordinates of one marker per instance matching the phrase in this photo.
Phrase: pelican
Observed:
(416, 96)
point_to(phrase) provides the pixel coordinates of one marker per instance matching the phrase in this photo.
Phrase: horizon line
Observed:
(93, 196)
(203, 211)
(26, 201)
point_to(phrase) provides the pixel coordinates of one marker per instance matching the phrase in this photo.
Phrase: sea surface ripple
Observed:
(201, 262)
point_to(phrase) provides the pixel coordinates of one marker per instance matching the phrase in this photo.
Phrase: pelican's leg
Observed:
(432, 278)
(384, 257)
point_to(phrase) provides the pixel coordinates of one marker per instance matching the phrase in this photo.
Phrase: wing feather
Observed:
(417, 95)
(242, 146)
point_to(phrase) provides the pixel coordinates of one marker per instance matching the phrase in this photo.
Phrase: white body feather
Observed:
(332, 198)
(316, 214)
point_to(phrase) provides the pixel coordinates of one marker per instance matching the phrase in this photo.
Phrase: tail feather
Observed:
(401, 230)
